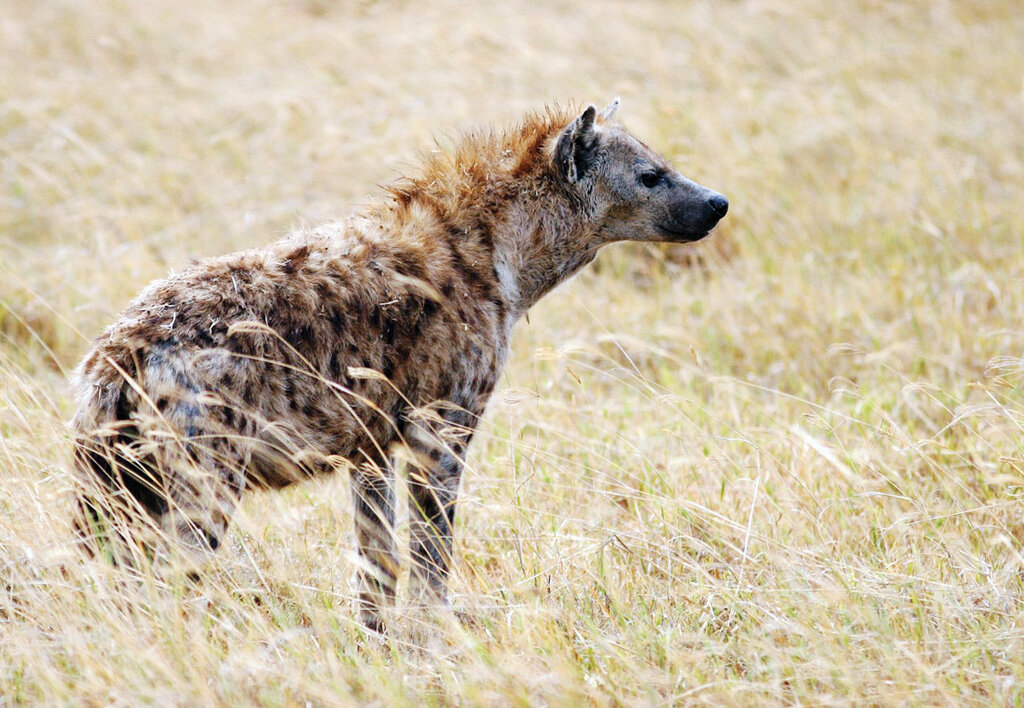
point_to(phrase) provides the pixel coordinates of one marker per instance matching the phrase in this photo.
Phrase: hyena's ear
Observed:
(577, 146)
(609, 110)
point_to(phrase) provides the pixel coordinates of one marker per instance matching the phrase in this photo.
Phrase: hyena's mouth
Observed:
(676, 235)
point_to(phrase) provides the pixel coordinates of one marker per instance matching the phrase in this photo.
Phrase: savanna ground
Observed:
(790, 473)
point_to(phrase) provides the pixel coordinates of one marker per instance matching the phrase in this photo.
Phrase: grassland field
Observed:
(784, 466)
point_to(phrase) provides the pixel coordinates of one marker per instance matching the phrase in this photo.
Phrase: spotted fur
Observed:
(342, 346)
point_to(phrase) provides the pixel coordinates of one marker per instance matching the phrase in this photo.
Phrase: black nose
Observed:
(719, 205)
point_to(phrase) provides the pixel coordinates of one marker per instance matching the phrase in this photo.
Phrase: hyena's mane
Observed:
(454, 172)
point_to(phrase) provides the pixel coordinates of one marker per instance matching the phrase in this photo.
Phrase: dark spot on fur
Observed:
(336, 316)
(356, 308)
(455, 234)
(469, 275)
(296, 259)
(483, 231)
(301, 337)
(202, 337)
(375, 318)
(387, 367)
(388, 332)
(410, 265)
(498, 303)
(299, 256)
(430, 307)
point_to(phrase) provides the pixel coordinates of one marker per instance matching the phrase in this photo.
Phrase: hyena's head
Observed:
(632, 192)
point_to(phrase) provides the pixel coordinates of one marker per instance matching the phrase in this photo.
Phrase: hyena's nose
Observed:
(719, 205)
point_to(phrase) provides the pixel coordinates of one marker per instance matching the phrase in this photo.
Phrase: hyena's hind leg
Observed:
(203, 494)
(118, 498)
(149, 496)
(373, 498)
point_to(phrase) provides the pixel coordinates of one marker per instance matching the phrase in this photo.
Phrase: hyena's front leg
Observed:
(373, 496)
(433, 490)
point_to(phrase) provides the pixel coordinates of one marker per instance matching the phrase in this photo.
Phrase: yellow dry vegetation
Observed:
(792, 474)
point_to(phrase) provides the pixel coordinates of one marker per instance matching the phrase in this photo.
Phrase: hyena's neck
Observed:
(497, 202)
(540, 243)
(521, 231)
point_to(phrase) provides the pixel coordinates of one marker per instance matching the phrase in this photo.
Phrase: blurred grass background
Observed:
(782, 466)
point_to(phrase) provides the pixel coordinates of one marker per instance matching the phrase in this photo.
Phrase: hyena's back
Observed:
(261, 367)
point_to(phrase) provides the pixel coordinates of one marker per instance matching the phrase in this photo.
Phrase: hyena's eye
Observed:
(651, 179)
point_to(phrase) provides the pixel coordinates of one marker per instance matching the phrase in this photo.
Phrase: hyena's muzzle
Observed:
(692, 210)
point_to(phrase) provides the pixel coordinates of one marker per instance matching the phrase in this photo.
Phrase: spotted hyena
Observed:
(345, 346)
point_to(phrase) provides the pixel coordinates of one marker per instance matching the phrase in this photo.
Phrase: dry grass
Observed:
(792, 476)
